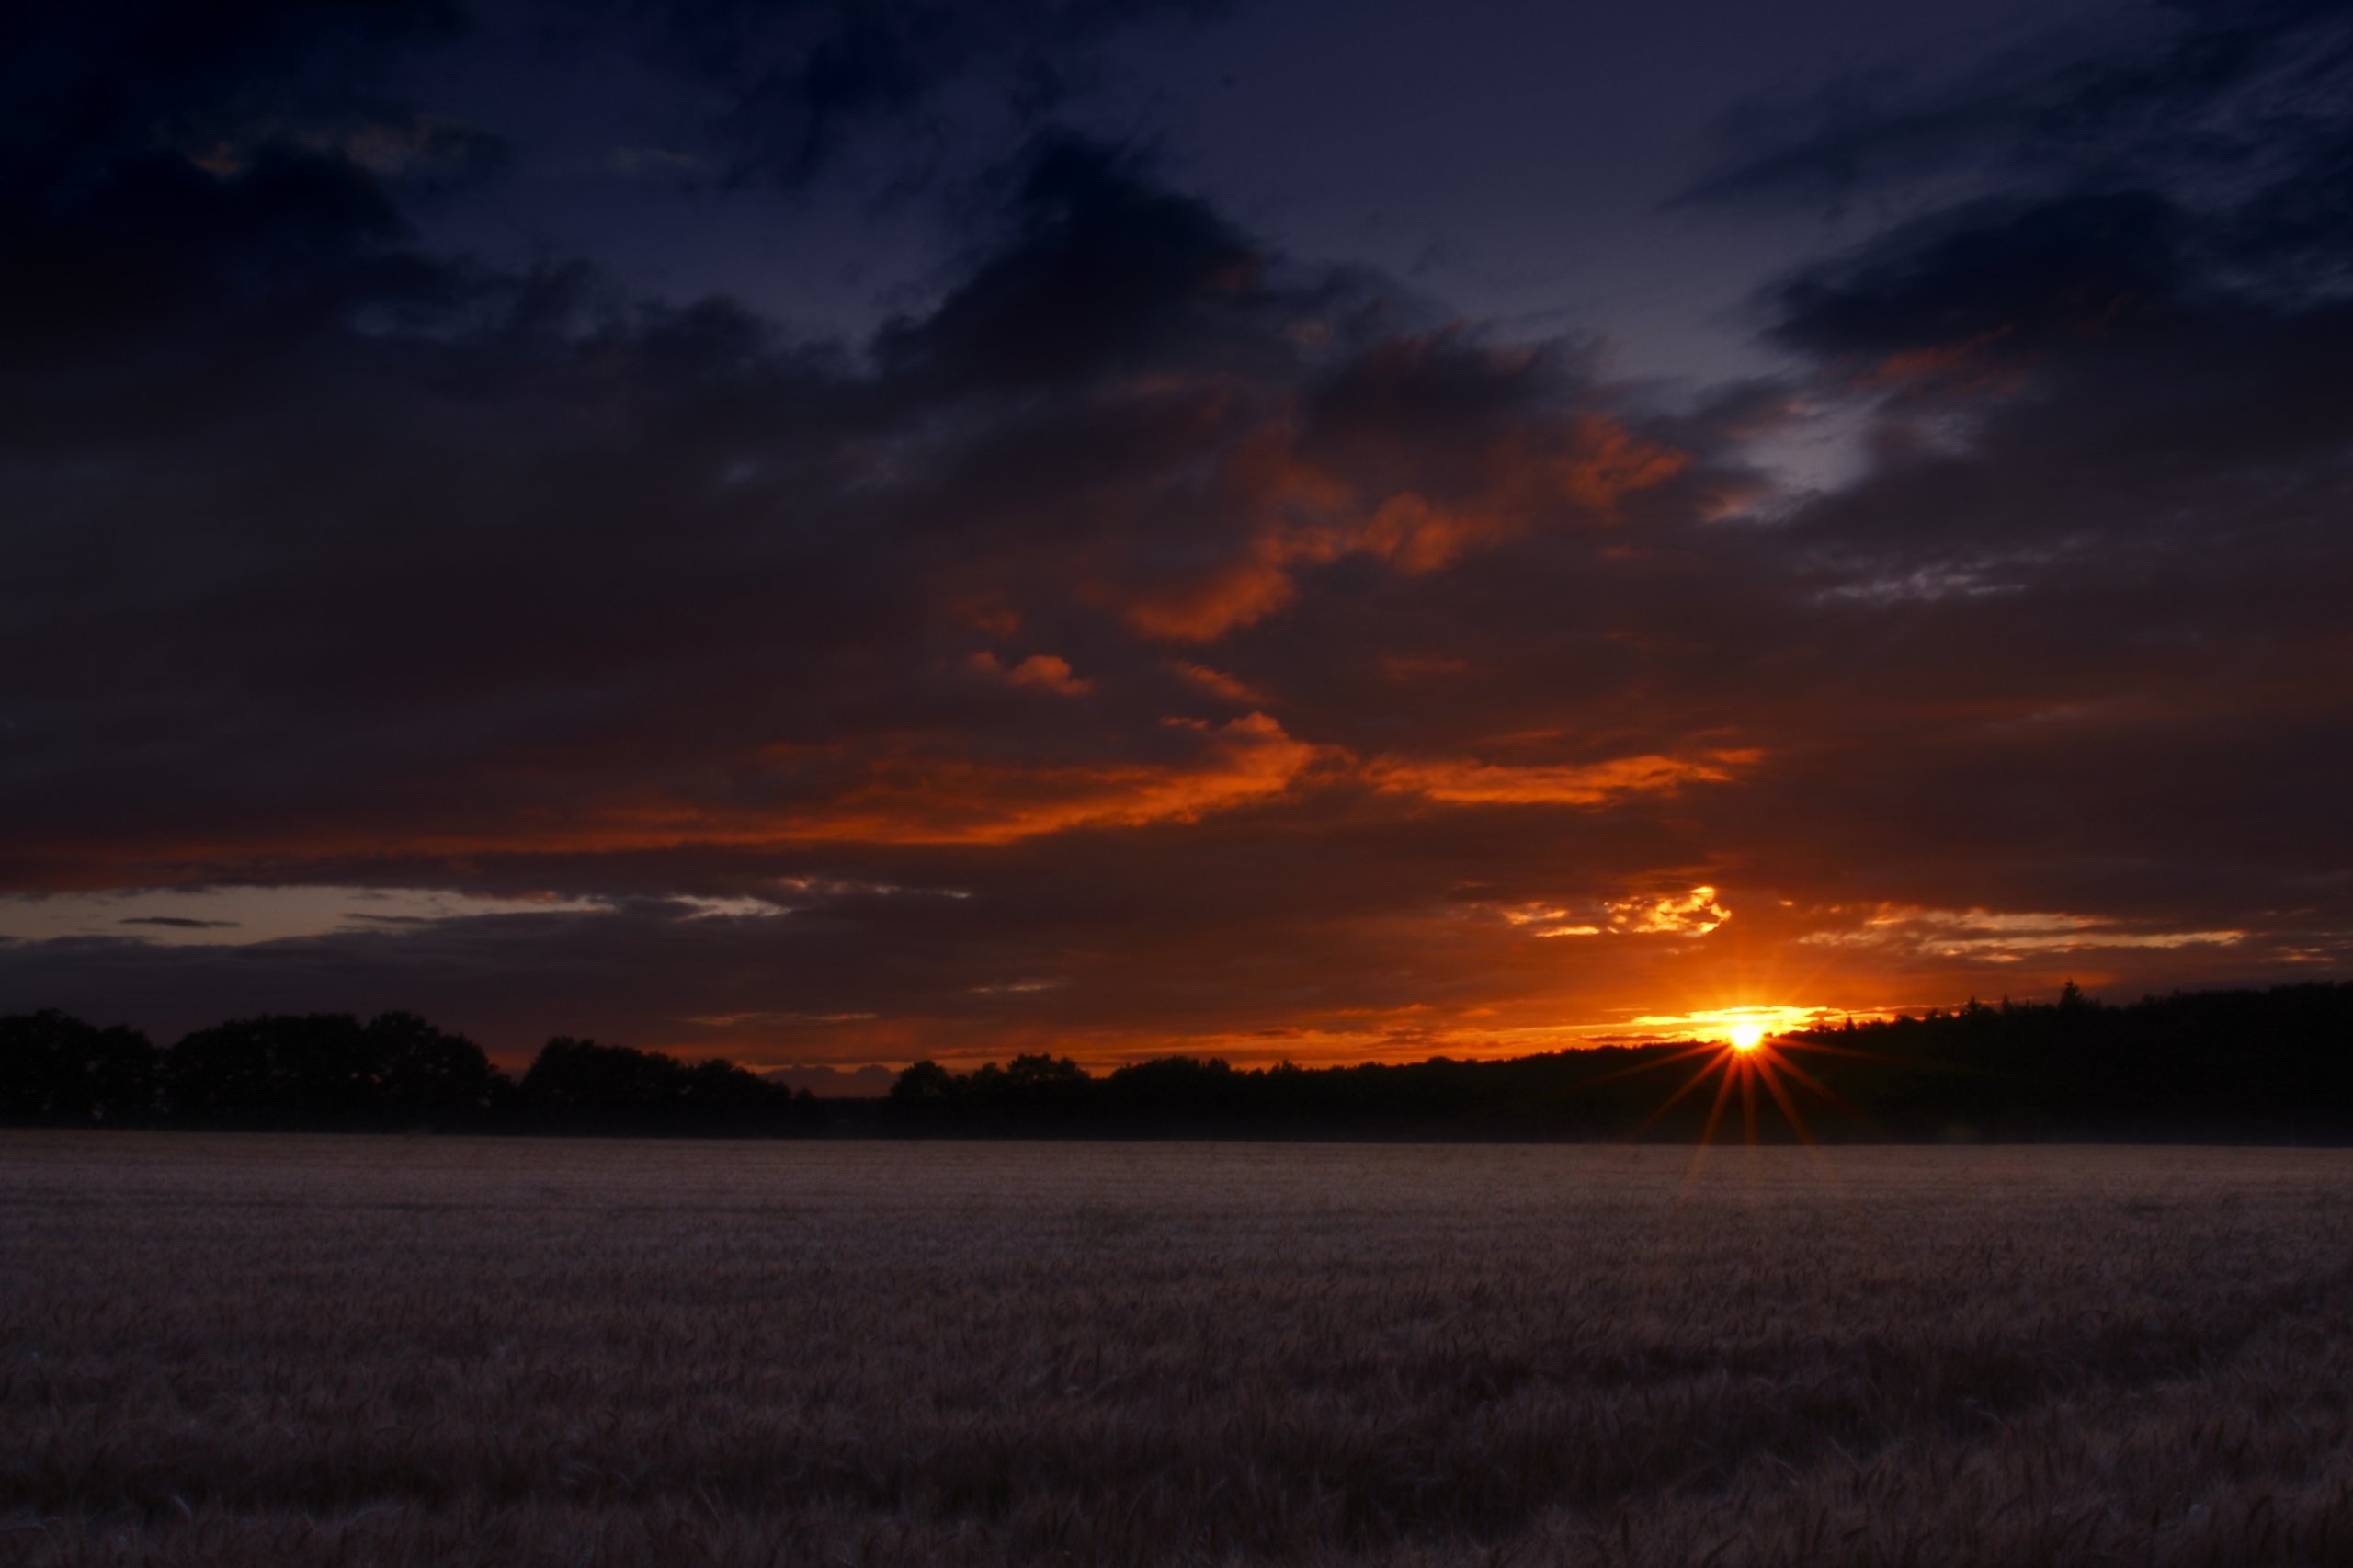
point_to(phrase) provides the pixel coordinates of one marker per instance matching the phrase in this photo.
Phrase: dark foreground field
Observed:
(357, 1350)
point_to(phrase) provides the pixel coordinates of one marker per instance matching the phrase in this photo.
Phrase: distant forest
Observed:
(2222, 1064)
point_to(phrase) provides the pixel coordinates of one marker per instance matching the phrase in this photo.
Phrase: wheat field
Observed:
(385, 1350)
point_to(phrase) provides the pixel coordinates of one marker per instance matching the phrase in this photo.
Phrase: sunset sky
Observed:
(839, 533)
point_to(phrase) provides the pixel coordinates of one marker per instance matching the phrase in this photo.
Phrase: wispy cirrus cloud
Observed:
(2009, 937)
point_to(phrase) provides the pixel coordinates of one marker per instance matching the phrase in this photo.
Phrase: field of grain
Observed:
(360, 1351)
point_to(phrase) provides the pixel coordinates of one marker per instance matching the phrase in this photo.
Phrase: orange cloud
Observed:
(1245, 591)
(853, 795)
(911, 800)
(2008, 938)
(1306, 515)
(1580, 784)
(1965, 369)
(1548, 920)
(1695, 914)
(1043, 672)
(914, 798)
(1217, 682)
(895, 797)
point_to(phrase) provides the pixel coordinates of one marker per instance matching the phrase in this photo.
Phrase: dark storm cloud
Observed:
(1105, 272)
(2223, 95)
(803, 80)
(2013, 281)
(372, 481)
(1159, 640)
(89, 83)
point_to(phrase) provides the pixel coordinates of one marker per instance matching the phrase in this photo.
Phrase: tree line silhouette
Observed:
(395, 1070)
(2216, 1065)
(2206, 1064)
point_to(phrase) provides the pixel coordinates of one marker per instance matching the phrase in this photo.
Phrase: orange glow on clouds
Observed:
(1695, 914)
(1966, 369)
(1219, 684)
(1753, 1023)
(2005, 937)
(906, 796)
(1247, 760)
(1043, 672)
(1307, 514)
(1587, 784)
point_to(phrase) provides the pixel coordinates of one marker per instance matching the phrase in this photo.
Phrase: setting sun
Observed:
(1746, 1036)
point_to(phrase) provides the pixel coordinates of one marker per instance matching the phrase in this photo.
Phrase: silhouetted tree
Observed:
(424, 1075)
(275, 1071)
(328, 1070)
(924, 1087)
(57, 1070)
(581, 1086)
(1187, 1086)
(1039, 1083)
